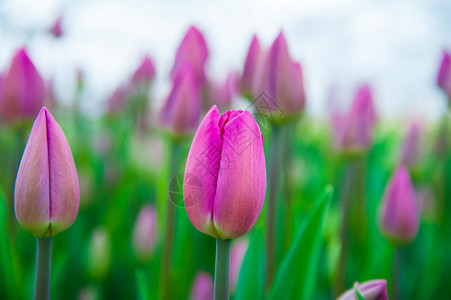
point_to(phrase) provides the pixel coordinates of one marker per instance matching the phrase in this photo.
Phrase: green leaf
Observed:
(251, 281)
(296, 276)
(358, 295)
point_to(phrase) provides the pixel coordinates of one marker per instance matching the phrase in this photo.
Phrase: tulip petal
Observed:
(31, 194)
(241, 183)
(63, 179)
(201, 173)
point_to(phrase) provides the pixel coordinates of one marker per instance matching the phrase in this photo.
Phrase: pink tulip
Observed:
(444, 74)
(370, 290)
(181, 111)
(253, 57)
(202, 287)
(145, 73)
(222, 94)
(23, 89)
(281, 79)
(46, 195)
(117, 100)
(193, 50)
(237, 253)
(225, 177)
(353, 131)
(145, 233)
(56, 30)
(399, 214)
(410, 146)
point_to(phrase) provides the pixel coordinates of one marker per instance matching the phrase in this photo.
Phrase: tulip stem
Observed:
(166, 254)
(397, 274)
(222, 268)
(274, 180)
(43, 261)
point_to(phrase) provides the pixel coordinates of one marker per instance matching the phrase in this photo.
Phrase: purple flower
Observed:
(46, 196)
(225, 176)
(399, 215)
(253, 58)
(222, 94)
(202, 287)
(410, 145)
(144, 74)
(145, 233)
(56, 30)
(370, 290)
(444, 74)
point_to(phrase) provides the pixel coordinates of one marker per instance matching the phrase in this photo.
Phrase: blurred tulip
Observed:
(117, 100)
(353, 131)
(56, 29)
(145, 233)
(23, 89)
(444, 74)
(222, 95)
(225, 177)
(145, 73)
(253, 57)
(370, 290)
(193, 50)
(181, 111)
(46, 196)
(237, 253)
(99, 254)
(410, 145)
(280, 78)
(202, 287)
(399, 215)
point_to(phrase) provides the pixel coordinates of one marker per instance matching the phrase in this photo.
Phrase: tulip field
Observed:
(227, 190)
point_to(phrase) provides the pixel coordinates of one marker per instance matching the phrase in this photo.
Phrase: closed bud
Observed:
(181, 111)
(46, 195)
(145, 234)
(225, 176)
(202, 287)
(249, 74)
(399, 216)
(444, 73)
(23, 92)
(145, 73)
(410, 145)
(56, 29)
(370, 290)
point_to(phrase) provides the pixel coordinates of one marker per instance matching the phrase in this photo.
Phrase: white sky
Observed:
(396, 46)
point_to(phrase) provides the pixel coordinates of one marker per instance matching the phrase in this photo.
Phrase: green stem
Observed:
(222, 268)
(397, 275)
(274, 180)
(42, 275)
(166, 254)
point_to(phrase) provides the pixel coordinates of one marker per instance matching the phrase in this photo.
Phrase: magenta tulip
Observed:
(117, 100)
(202, 287)
(253, 58)
(281, 79)
(237, 253)
(181, 111)
(444, 74)
(56, 30)
(399, 214)
(225, 177)
(46, 195)
(23, 91)
(353, 131)
(145, 233)
(145, 73)
(370, 290)
(193, 50)
(410, 145)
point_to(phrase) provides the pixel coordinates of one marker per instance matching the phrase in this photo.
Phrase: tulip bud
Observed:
(202, 287)
(23, 89)
(181, 111)
(353, 131)
(193, 50)
(145, 233)
(46, 195)
(117, 100)
(370, 290)
(56, 29)
(399, 214)
(410, 145)
(280, 79)
(99, 254)
(222, 94)
(444, 74)
(237, 253)
(145, 73)
(253, 57)
(225, 176)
